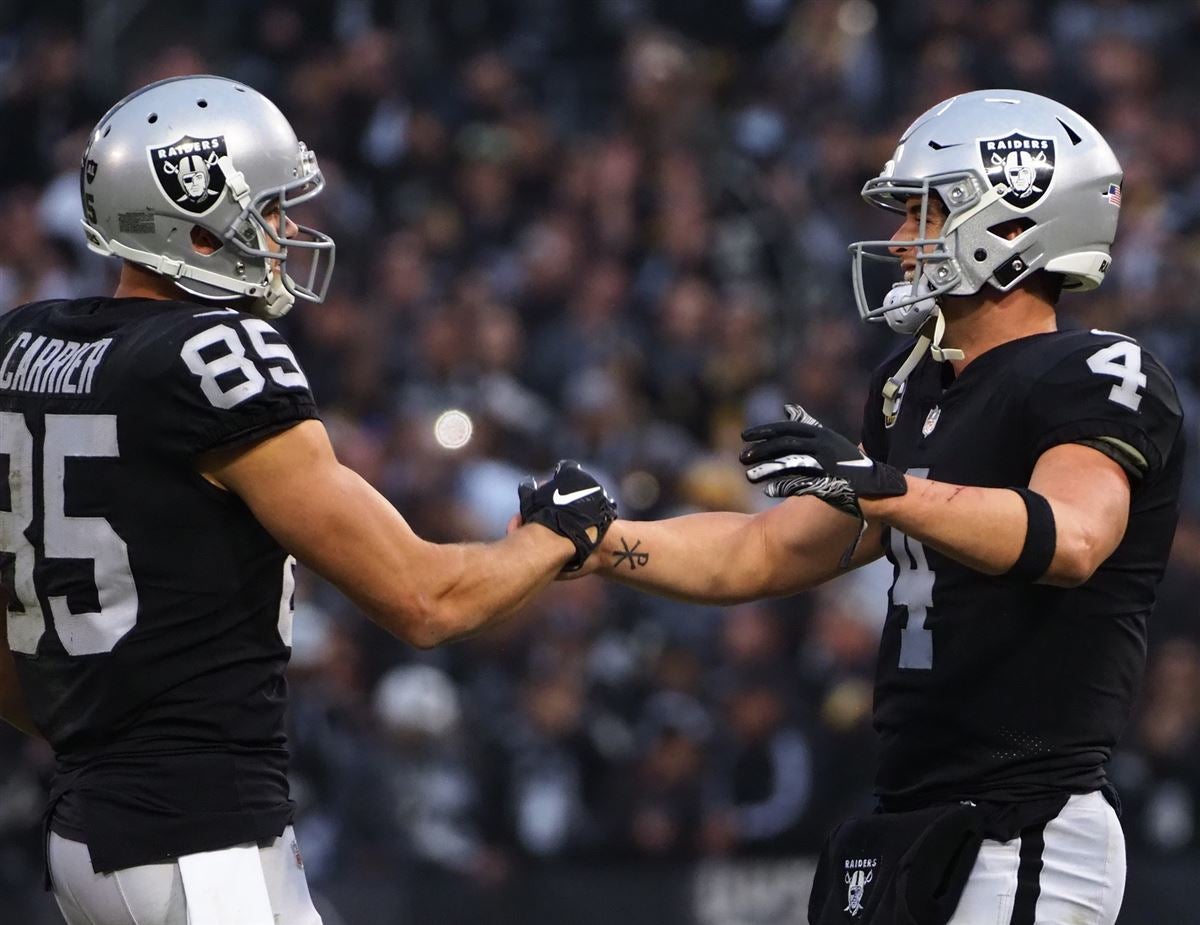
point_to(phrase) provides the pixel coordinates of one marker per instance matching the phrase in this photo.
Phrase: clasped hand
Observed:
(799, 456)
(573, 504)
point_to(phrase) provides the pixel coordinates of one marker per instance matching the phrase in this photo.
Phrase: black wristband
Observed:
(1040, 538)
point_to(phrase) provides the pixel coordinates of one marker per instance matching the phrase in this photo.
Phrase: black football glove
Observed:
(572, 504)
(800, 457)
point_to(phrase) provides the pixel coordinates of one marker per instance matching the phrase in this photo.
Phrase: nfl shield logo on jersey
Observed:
(859, 873)
(1020, 167)
(188, 173)
(931, 420)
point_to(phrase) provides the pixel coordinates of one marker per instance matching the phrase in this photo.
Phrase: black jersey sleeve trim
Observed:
(1103, 431)
(264, 427)
(1120, 452)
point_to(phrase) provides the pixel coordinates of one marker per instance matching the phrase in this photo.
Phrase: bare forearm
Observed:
(333, 521)
(485, 583)
(725, 558)
(426, 593)
(698, 557)
(986, 528)
(983, 528)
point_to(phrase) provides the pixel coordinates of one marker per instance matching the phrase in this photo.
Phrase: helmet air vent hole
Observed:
(1071, 133)
(203, 104)
(152, 118)
(980, 255)
(107, 129)
(1012, 229)
(204, 241)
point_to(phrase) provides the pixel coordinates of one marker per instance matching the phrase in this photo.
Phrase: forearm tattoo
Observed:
(631, 555)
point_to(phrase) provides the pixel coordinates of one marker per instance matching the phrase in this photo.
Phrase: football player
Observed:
(161, 462)
(1022, 480)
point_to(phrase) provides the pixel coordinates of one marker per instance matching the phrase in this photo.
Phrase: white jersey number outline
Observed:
(68, 436)
(1124, 361)
(285, 370)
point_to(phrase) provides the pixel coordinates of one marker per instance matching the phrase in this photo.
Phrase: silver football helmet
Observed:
(208, 152)
(992, 157)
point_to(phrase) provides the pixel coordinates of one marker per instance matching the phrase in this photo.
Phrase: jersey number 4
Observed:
(68, 436)
(1123, 360)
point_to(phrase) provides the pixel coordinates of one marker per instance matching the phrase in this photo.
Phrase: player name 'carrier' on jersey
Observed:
(149, 613)
(50, 364)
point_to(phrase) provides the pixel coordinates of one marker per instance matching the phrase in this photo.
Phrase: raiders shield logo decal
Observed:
(188, 174)
(859, 874)
(1019, 167)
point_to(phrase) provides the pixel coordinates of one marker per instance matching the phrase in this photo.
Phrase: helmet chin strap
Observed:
(277, 301)
(926, 342)
(942, 354)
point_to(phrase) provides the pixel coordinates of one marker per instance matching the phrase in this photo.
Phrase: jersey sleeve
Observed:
(226, 380)
(1108, 393)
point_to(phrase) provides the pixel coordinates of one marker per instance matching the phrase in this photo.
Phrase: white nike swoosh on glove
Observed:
(859, 463)
(570, 496)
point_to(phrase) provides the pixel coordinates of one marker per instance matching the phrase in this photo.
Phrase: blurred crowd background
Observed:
(612, 230)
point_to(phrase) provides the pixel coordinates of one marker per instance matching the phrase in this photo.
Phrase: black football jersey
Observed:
(150, 613)
(996, 688)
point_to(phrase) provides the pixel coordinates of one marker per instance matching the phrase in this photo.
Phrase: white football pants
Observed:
(244, 885)
(1072, 871)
